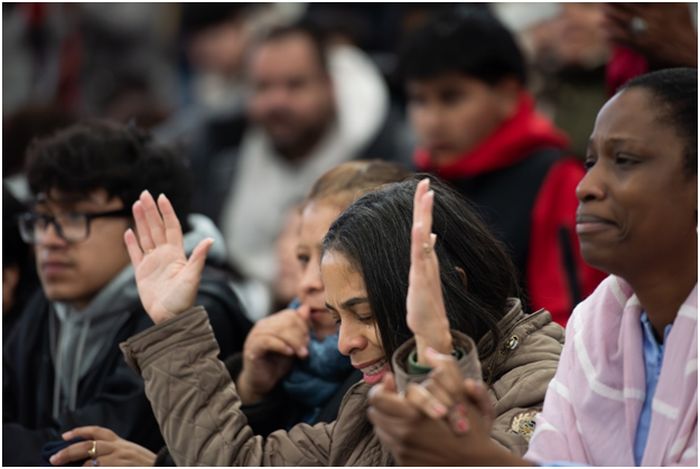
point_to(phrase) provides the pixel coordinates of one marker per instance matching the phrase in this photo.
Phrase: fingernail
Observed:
(53, 459)
(304, 351)
(66, 435)
(439, 409)
(462, 425)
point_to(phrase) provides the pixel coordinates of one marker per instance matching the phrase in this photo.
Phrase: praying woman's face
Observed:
(316, 218)
(637, 206)
(346, 299)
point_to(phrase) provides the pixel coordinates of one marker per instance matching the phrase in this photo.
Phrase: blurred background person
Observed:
(19, 278)
(478, 129)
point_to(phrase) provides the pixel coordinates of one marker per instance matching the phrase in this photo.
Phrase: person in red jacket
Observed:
(478, 129)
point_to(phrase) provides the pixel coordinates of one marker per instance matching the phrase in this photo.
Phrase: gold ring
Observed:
(427, 248)
(92, 452)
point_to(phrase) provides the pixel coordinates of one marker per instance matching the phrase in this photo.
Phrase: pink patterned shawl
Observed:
(593, 403)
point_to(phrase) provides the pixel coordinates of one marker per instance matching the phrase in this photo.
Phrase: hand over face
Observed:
(110, 450)
(662, 32)
(167, 281)
(425, 307)
(270, 349)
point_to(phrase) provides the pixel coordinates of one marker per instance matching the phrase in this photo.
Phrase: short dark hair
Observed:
(302, 27)
(471, 42)
(374, 233)
(676, 92)
(121, 159)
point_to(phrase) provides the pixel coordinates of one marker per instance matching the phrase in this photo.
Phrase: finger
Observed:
(478, 394)
(195, 264)
(425, 402)
(91, 432)
(265, 344)
(75, 452)
(154, 219)
(422, 187)
(440, 394)
(427, 201)
(132, 247)
(173, 229)
(445, 373)
(144, 233)
(304, 312)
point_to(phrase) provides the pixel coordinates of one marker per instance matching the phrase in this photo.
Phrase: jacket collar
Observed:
(518, 137)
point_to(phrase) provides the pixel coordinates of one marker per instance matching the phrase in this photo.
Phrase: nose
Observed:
(427, 121)
(591, 187)
(311, 282)
(350, 338)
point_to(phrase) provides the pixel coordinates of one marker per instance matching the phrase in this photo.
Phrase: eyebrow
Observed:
(352, 302)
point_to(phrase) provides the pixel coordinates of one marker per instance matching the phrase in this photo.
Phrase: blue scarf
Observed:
(313, 381)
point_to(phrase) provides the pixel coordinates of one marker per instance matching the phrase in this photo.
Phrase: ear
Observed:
(508, 91)
(462, 275)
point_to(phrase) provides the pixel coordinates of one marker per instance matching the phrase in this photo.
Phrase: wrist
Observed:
(441, 343)
(245, 390)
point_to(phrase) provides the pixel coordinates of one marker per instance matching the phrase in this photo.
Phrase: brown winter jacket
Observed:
(197, 407)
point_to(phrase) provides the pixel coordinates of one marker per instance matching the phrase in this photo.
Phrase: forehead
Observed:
(316, 218)
(289, 53)
(633, 114)
(55, 198)
(340, 278)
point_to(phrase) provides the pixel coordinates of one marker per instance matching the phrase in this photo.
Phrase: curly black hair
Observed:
(121, 159)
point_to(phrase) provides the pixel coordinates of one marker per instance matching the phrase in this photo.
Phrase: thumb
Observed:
(304, 312)
(195, 264)
(436, 359)
(389, 381)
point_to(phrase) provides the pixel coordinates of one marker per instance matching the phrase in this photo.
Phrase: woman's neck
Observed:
(661, 294)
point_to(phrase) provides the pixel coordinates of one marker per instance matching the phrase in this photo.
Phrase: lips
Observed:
(54, 268)
(372, 372)
(587, 223)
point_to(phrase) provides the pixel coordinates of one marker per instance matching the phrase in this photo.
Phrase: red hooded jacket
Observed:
(523, 180)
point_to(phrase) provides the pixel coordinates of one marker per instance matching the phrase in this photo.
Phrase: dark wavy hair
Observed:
(374, 234)
(675, 91)
(121, 159)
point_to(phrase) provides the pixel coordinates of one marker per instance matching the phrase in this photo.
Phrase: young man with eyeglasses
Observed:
(62, 365)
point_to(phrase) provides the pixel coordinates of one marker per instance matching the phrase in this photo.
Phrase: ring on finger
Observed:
(92, 452)
(427, 248)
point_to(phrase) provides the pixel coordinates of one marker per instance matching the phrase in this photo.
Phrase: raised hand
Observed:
(269, 351)
(425, 307)
(167, 281)
(110, 450)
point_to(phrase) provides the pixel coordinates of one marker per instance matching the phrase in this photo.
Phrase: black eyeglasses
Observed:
(71, 227)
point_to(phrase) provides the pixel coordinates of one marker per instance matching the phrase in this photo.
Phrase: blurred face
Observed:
(292, 95)
(346, 298)
(637, 207)
(453, 113)
(75, 272)
(315, 221)
(219, 48)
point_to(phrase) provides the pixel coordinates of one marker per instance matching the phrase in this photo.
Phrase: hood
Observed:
(517, 138)
(362, 96)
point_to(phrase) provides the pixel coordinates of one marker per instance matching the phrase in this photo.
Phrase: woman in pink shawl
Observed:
(625, 391)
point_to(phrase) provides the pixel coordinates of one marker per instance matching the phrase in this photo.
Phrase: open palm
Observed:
(167, 281)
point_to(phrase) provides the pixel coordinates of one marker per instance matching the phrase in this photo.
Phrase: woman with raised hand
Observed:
(625, 391)
(290, 369)
(374, 268)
